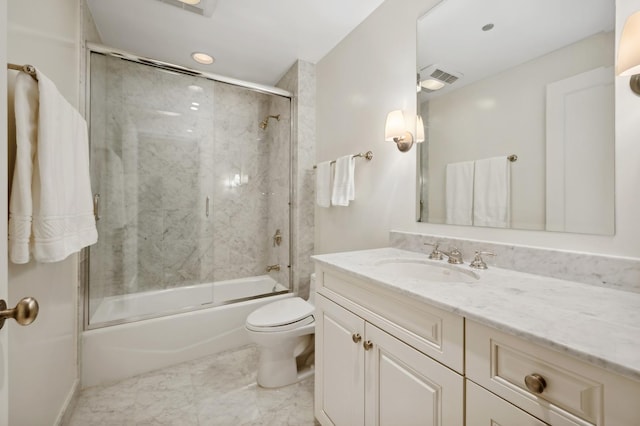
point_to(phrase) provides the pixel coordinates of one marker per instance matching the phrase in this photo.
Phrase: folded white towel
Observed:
(459, 193)
(323, 184)
(344, 188)
(51, 208)
(492, 193)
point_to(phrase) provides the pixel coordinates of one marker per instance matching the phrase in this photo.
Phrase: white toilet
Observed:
(284, 331)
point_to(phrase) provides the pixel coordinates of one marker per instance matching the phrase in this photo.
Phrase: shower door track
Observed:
(262, 88)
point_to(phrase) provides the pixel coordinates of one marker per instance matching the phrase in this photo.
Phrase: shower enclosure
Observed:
(191, 178)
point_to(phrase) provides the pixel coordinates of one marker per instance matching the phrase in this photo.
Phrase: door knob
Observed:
(24, 313)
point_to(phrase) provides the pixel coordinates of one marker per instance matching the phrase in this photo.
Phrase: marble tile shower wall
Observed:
(277, 138)
(242, 183)
(300, 80)
(155, 160)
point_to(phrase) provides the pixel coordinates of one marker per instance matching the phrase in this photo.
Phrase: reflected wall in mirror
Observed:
(532, 78)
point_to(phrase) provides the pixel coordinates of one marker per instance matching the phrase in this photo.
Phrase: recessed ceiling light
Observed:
(194, 108)
(195, 104)
(195, 88)
(191, 2)
(432, 84)
(202, 58)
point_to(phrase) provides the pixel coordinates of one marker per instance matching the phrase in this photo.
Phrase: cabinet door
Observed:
(405, 387)
(339, 386)
(487, 409)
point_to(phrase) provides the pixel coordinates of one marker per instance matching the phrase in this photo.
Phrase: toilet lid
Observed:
(285, 311)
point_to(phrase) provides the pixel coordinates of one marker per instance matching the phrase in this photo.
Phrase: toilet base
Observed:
(278, 367)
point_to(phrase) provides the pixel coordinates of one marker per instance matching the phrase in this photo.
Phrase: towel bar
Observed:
(367, 155)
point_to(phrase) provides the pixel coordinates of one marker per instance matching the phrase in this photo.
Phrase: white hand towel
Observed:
(459, 193)
(323, 184)
(492, 193)
(51, 208)
(344, 188)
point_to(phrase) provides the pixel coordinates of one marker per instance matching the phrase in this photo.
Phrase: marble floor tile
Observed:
(218, 390)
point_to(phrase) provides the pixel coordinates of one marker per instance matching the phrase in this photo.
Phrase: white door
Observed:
(406, 387)
(580, 153)
(339, 391)
(4, 362)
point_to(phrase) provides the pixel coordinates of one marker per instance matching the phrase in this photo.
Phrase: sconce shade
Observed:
(395, 130)
(629, 48)
(394, 127)
(419, 129)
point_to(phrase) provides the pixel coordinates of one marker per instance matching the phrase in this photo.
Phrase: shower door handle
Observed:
(96, 206)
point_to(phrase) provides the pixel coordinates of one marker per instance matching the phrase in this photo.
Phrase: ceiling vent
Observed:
(204, 7)
(435, 77)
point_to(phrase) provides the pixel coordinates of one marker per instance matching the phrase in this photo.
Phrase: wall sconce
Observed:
(395, 130)
(629, 52)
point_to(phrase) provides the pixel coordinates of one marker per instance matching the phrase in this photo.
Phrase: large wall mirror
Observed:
(517, 99)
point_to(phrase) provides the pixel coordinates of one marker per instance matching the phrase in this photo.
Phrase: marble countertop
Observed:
(595, 324)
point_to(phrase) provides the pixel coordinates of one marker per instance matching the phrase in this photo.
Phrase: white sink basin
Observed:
(428, 270)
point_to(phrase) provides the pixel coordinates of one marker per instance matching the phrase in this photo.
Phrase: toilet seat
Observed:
(285, 314)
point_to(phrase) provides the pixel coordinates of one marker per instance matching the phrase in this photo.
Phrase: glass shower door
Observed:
(193, 181)
(251, 147)
(152, 175)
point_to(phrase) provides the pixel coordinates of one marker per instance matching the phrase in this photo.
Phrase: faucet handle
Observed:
(435, 254)
(455, 256)
(478, 262)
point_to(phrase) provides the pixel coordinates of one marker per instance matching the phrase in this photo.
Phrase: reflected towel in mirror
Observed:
(459, 193)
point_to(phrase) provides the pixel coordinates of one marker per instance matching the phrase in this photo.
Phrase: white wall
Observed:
(509, 125)
(372, 72)
(42, 357)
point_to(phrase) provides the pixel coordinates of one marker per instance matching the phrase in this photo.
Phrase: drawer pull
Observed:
(356, 337)
(367, 345)
(535, 383)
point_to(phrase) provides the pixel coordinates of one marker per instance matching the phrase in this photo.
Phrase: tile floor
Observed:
(217, 390)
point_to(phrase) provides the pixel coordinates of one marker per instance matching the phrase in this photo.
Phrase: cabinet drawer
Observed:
(437, 333)
(487, 409)
(571, 393)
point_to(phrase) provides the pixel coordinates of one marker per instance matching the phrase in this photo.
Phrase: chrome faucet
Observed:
(455, 256)
(478, 262)
(273, 267)
(435, 254)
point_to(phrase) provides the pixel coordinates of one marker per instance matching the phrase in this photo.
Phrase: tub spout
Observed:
(273, 268)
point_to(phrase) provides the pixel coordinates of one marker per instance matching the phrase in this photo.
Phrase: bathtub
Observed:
(116, 352)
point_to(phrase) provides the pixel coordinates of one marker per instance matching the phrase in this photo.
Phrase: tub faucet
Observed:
(273, 267)
(455, 256)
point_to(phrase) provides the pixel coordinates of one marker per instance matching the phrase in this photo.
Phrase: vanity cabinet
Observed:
(385, 357)
(550, 385)
(365, 375)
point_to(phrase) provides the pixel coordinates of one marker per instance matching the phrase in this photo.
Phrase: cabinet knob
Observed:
(356, 337)
(535, 383)
(367, 345)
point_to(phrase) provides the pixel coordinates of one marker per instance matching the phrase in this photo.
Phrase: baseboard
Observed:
(69, 405)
